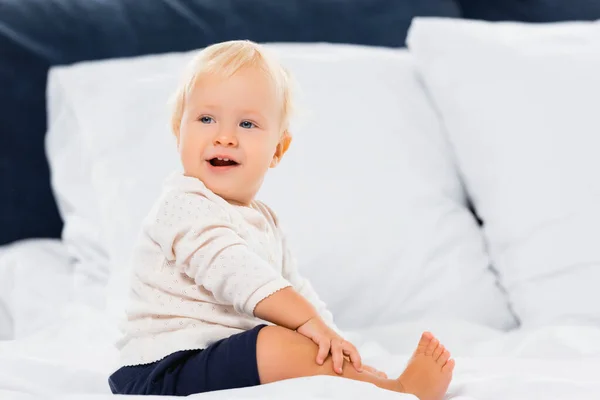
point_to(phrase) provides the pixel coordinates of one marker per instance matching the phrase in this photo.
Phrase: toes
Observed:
(443, 357)
(425, 339)
(424, 342)
(448, 367)
(433, 344)
(438, 352)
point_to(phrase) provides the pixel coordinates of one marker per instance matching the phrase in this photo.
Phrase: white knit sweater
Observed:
(200, 268)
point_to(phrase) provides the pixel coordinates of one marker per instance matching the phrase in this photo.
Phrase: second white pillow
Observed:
(520, 103)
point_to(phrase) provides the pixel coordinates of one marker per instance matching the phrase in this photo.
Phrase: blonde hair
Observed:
(225, 59)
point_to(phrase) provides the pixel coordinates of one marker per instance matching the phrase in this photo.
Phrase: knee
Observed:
(274, 339)
(285, 353)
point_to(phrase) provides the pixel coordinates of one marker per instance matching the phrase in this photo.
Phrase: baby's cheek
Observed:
(268, 158)
(191, 159)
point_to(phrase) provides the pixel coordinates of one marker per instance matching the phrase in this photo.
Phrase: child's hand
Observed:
(374, 371)
(330, 342)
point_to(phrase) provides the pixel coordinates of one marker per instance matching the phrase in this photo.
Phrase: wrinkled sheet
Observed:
(73, 358)
(35, 280)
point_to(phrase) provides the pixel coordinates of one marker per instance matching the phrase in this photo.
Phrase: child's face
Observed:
(236, 119)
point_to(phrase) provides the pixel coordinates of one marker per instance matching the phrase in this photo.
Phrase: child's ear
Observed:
(282, 148)
(175, 130)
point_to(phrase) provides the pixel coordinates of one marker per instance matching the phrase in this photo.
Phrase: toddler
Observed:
(216, 299)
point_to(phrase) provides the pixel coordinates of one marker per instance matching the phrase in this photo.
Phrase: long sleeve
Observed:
(199, 236)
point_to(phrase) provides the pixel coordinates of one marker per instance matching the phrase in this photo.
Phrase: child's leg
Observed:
(284, 354)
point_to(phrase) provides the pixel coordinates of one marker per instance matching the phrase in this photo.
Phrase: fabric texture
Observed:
(200, 268)
(37, 34)
(520, 105)
(227, 364)
(35, 282)
(531, 10)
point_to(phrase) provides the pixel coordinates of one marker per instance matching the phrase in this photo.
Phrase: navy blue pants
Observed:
(227, 364)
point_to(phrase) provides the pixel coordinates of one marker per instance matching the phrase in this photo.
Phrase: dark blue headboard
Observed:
(36, 34)
(531, 10)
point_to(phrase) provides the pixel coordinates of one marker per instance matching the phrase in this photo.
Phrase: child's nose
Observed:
(225, 140)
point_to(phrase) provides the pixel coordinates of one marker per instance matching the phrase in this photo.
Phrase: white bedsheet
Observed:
(72, 356)
(6, 286)
(72, 359)
(35, 279)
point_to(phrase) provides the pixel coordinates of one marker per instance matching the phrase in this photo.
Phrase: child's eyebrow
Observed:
(207, 107)
(244, 112)
(253, 113)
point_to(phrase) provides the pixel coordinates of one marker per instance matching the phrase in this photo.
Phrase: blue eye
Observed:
(206, 120)
(247, 125)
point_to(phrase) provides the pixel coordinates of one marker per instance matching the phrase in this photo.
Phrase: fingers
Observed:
(324, 347)
(339, 349)
(368, 368)
(337, 355)
(373, 371)
(350, 351)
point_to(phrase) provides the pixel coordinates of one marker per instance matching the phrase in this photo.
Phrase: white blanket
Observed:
(73, 358)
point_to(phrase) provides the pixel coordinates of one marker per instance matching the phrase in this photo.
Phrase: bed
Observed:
(72, 355)
(504, 274)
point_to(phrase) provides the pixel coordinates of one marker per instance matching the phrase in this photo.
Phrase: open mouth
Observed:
(222, 162)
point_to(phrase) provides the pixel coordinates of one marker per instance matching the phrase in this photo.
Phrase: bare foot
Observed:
(429, 370)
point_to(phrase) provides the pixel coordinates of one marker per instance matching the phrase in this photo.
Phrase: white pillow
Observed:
(70, 170)
(368, 193)
(35, 283)
(70, 181)
(520, 103)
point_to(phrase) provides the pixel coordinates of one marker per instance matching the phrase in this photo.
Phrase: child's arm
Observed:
(290, 272)
(197, 236)
(287, 307)
(304, 287)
